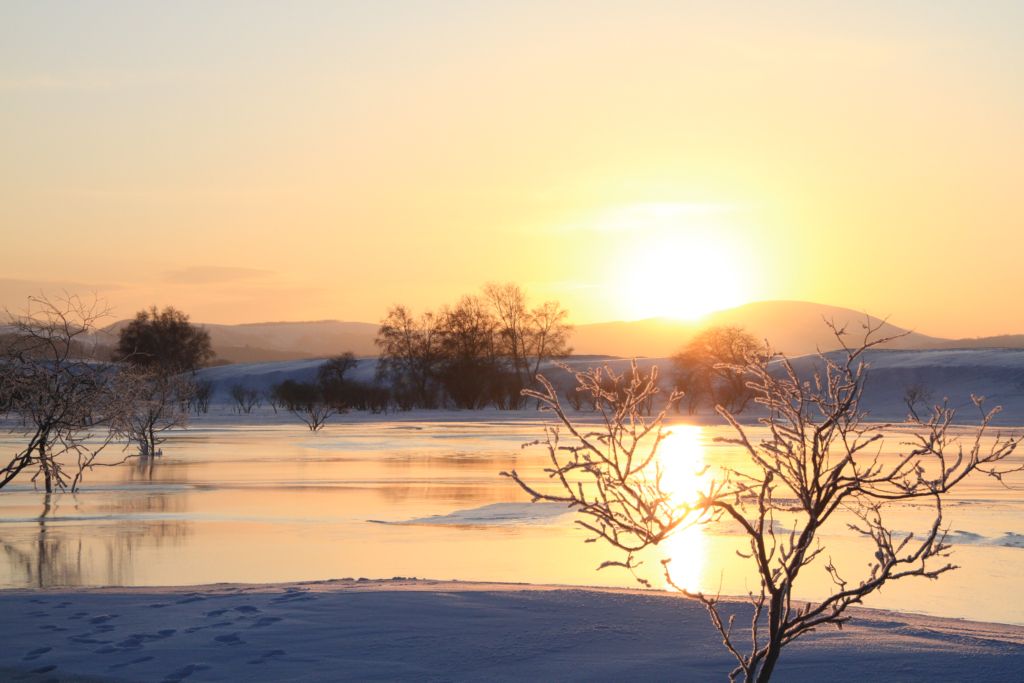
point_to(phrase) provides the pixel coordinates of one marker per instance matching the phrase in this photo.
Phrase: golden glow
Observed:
(678, 263)
(343, 157)
(681, 457)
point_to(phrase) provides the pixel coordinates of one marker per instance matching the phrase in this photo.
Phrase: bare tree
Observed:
(202, 392)
(158, 402)
(547, 334)
(529, 337)
(508, 301)
(471, 369)
(409, 357)
(245, 398)
(915, 396)
(817, 465)
(305, 401)
(62, 397)
(272, 399)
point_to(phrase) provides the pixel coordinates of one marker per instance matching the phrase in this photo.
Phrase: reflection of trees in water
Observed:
(439, 476)
(398, 492)
(154, 469)
(461, 460)
(144, 468)
(73, 553)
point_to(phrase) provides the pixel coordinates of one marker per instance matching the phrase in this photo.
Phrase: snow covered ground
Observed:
(996, 374)
(426, 630)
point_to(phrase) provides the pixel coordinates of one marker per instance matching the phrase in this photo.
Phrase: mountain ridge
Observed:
(793, 327)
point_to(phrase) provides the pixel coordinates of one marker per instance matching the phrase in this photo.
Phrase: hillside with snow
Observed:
(996, 374)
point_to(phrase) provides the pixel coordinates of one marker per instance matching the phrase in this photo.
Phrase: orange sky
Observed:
(267, 161)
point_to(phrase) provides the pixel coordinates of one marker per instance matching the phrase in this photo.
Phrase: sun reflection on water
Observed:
(681, 457)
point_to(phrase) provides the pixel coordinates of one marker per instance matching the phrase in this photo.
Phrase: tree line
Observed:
(481, 351)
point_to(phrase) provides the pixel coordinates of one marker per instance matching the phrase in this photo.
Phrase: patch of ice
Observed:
(496, 514)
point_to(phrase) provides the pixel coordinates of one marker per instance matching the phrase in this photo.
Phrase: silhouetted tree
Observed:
(334, 369)
(202, 392)
(470, 369)
(916, 395)
(481, 351)
(527, 337)
(164, 341)
(271, 397)
(409, 357)
(547, 335)
(512, 324)
(341, 393)
(245, 398)
(707, 368)
(306, 401)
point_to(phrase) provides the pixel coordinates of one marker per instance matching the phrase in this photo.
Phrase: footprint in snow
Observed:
(36, 654)
(137, 660)
(184, 672)
(270, 654)
(87, 639)
(229, 639)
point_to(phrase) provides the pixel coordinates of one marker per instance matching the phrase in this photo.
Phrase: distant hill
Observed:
(259, 342)
(1003, 341)
(793, 327)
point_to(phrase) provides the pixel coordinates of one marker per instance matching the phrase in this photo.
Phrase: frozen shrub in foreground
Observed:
(817, 463)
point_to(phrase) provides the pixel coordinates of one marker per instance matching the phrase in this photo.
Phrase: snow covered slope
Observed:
(262, 376)
(996, 374)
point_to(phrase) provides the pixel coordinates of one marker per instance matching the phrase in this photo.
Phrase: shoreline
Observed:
(420, 628)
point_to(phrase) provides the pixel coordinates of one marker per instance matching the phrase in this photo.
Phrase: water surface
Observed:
(380, 499)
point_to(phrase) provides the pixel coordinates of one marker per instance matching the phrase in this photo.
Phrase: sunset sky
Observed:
(309, 160)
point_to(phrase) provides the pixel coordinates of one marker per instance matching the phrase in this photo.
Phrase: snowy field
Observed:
(422, 630)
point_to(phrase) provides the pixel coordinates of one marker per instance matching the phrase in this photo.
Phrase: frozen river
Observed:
(380, 499)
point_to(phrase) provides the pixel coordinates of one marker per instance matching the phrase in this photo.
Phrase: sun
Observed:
(681, 277)
(675, 261)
